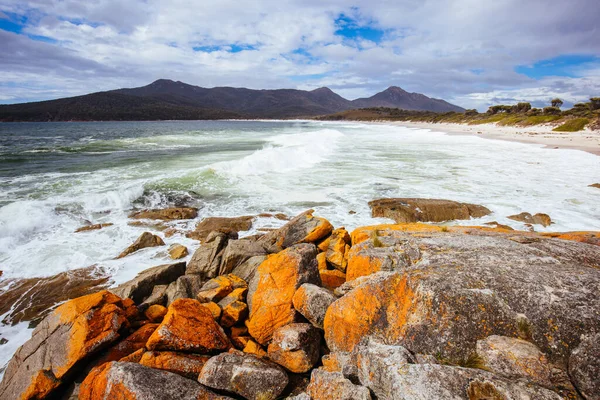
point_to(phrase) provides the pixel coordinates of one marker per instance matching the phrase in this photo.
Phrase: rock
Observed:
(237, 252)
(322, 261)
(247, 269)
(187, 365)
(326, 385)
(295, 347)
(143, 284)
(185, 287)
(497, 225)
(177, 251)
(341, 361)
(302, 229)
(332, 279)
(214, 309)
(468, 284)
(584, 367)
(406, 210)
(244, 375)
(537, 219)
(278, 279)
(234, 313)
(238, 294)
(218, 288)
(514, 358)
(255, 349)
(221, 224)
(207, 259)
(158, 296)
(134, 342)
(595, 185)
(94, 227)
(147, 239)
(337, 250)
(130, 381)
(33, 298)
(312, 302)
(73, 332)
(135, 357)
(166, 214)
(189, 327)
(156, 313)
(583, 237)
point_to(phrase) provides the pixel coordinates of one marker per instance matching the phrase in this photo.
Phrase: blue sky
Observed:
(464, 51)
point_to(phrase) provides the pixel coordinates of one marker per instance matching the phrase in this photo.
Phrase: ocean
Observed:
(57, 177)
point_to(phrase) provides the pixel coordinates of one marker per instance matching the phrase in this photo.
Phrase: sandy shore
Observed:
(586, 140)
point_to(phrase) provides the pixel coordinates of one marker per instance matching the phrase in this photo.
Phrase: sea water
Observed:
(57, 177)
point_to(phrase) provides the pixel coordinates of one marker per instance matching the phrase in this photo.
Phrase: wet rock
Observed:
(247, 269)
(207, 259)
(234, 313)
(221, 224)
(584, 367)
(187, 365)
(73, 332)
(93, 227)
(147, 239)
(595, 185)
(218, 288)
(326, 385)
(278, 279)
(244, 375)
(305, 228)
(332, 279)
(185, 287)
(312, 302)
(177, 251)
(134, 342)
(143, 284)
(337, 249)
(189, 327)
(158, 296)
(514, 358)
(130, 381)
(166, 214)
(406, 210)
(537, 219)
(295, 347)
(156, 313)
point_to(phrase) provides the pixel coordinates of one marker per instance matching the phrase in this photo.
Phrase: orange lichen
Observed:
(137, 340)
(188, 365)
(234, 313)
(213, 308)
(254, 348)
(337, 249)
(361, 264)
(323, 229)
(41, 385)
(332, 279)
(156, 312)
(322, 261)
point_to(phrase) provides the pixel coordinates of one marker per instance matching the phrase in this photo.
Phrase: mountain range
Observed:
(169, 100)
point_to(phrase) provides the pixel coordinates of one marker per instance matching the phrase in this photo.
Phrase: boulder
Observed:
(247, 269)
(156, 313)
(407, 210)
(295, 347)
(305, 228)
(326, 385)
(177, 251)
(93, 227)
(234, 313)
(237, 252)
(537, 219)
(189, 327)
(583, 237)
(332, 278)
(206, 260)
(185, 287)
(245, 375)
(146, 239)
(584, 366)
(218, 288)
(238, 294)
(255, 349)
(130, 381)
(143, 284)
(595, 185)
(73, 332)
(133, 343)
(322, 261)
(214, 309)
(221, 224)
(312, 302)
(166, 214)
(514, 358)
(187, 365)
(158, 296)
(341, 361)
(278, 278)
(337, 249)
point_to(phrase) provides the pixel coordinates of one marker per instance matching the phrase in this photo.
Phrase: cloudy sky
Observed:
(470, 52)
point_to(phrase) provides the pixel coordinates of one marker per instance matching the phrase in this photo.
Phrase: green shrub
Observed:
(556, 102)
(551, 110)
(572, 125)
(595, 103)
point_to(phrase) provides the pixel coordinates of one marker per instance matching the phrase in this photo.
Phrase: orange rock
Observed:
(320, 231)
(134, 357)
(131, 309)
(137, 340)
(362, 262)
(339, 244)
(146, 239)
(324, 244)
(239, 331)
(278, 278)
(332, 279)
(254, 348)
(214, 309)
(92, 227)
(189, 327)
(177, 251)
(584, 237)
(322, 261)
(240, 342)
(234, 313)
(156, 313)
(217, 288)
(188, 365)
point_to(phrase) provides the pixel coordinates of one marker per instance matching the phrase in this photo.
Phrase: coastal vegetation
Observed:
(577, 118)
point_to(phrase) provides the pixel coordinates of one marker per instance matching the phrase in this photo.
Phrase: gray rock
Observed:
(146, 239)
(142, 285)
(342, 361)
(312, 302)
(229, 226)
(185, 287)
(247, 269)
(295, 347)
(584, 367)
(407, 210)
(237, 252)
(326, 385)
(158, 296)
(245, 375)
(294, 232)
(301, 396)
(206, 260)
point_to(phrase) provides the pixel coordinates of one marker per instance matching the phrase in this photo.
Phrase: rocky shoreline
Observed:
(309, 311)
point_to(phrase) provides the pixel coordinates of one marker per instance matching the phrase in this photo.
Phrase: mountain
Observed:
(167, 99)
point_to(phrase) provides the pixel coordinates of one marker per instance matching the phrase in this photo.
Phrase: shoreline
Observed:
(586, 140)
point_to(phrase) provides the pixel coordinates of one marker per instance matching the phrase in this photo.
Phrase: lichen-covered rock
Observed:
(166, 214)
(407, 210)
(583, 237)
(185, 287)
(134, 342)
(234, 313)
(322, 261)
(177, 251)
(156, 313)
(332, 278)
(255, 349)
(537, 219)
(214, 309)
(305, 228)
(326, 385)
(130, 381)
(73, 332)
(337, 249)
(295, 347)
(206, 260)
(278, 279)
(146, 239)
(218, 288)
(514, 358)
(220, 224)
(245, 375)
(341, 361)
(584, 367)
(312, 302)
(143, 284)
(189, 327)
(187, 365)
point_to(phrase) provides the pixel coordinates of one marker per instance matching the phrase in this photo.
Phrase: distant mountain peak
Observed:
(395, 89)
(323, 89)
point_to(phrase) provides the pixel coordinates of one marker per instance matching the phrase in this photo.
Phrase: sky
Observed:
(473, 53)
